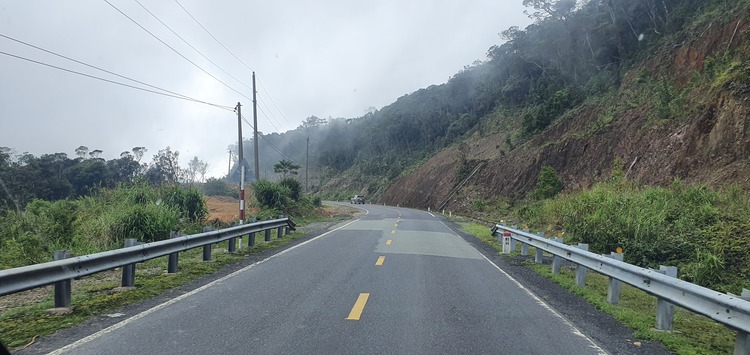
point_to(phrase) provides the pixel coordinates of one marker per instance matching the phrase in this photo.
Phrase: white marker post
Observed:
(506, 242)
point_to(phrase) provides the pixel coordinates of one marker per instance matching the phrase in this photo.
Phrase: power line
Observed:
(176, 51)
(283, 134)
(118, 83)
(104, 70)
(212, 36)
(272, 101)
(270, 144)
(191, 46)
(240, 60)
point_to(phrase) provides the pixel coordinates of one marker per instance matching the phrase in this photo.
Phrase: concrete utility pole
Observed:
(241, 162)
(255, 135)
(307, 161)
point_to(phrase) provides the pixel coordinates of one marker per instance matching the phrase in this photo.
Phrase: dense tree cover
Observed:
(25, 177)
(574, 49)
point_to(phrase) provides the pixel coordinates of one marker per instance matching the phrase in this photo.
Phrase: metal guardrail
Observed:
(33, 276)
(732, 311)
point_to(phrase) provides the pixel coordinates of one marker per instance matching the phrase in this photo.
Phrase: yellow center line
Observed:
(359, 306)
(380, 261)
(393, 231)
(388, 242)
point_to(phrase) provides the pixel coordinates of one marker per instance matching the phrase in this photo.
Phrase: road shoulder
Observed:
(606, 331)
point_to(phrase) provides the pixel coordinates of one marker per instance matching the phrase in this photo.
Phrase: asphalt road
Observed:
(395, 281)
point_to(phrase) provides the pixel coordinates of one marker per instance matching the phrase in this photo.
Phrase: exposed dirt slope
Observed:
(710, 145)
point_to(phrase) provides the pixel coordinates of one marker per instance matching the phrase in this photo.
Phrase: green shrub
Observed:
(147, 223)
(294, 186)
(317, 201)
(270, 195)
(218, 187)
(187, 201)
(20, 241)
(548, 184)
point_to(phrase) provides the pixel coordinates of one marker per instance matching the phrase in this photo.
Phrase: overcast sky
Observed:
(329, 58)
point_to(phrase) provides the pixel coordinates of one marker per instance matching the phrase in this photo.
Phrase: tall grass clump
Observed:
(702, 231)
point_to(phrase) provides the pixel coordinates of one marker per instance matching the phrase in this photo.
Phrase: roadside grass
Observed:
(95, 295)
(693, 334)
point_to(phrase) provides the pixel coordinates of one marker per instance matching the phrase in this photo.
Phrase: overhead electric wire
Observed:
(272, 101)
(182, 97)
(176, 51)
(269, 143)
(270, 119)
(212, 36)
(108, 72)
(288, 140)
(235, 57)
(191, 46)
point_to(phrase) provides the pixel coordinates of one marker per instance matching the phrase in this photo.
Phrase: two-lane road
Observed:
(395, 281)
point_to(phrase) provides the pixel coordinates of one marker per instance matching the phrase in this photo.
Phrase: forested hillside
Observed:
(589, 69)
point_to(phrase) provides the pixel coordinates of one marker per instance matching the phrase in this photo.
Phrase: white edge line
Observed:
(576, 331)
(181, 297)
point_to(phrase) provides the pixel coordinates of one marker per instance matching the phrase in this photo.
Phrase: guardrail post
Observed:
(614, 288)
(128, 271)
(742, 344)
(556, 260)
(251, 240)
(232, 244)
(172, 264)
(207, 248)
(280, 231)
(512, 240)
(539, 257)
(268, 235)
(524, 246)
(580, 270)
(62, 289)
(664, 309)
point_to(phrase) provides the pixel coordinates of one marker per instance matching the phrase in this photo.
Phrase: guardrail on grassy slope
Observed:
(61, 272)
(730, 310)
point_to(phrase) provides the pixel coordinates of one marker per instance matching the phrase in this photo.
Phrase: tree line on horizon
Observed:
(25, 177)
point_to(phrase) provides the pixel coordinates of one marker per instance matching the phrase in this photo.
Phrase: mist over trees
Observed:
(573, 50)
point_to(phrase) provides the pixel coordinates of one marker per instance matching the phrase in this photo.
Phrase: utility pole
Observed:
(241, 162)
(255, 128)
(307, 161)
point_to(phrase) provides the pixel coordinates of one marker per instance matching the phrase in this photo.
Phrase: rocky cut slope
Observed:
(682, 113)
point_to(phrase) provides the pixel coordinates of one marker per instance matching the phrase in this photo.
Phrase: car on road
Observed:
(358, 199)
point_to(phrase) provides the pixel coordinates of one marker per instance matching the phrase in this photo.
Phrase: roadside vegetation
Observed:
(703, 231)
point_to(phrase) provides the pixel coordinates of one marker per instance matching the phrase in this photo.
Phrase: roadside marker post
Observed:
(506, 242)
